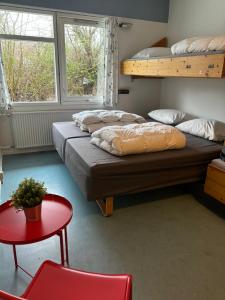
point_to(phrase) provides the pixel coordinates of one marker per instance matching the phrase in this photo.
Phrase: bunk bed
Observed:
(208, 64)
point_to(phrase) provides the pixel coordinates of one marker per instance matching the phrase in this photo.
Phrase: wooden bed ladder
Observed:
(106, 206)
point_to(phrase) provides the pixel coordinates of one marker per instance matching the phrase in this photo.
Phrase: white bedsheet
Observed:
(138, 138)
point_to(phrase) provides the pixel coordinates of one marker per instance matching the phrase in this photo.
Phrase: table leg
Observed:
(66, 244)
(61, 246)
(15, 256)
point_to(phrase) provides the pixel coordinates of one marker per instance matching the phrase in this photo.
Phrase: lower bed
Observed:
(101, 175)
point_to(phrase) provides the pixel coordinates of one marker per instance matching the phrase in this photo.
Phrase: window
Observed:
(28, 52)
(53, 57)
(82, 59)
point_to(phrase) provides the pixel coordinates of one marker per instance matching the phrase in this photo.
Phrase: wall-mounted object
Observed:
(125, 25)
(123, 91)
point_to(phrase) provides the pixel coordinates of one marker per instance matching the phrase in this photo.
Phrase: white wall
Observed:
(201, 97)
(144, 93)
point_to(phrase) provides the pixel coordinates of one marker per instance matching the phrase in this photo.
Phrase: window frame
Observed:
(68, 18)
(73, 102)
(52, 40)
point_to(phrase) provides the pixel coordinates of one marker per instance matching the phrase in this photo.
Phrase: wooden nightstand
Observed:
(215, 180)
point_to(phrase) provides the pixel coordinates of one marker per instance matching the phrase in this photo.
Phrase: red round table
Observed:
(55, 216)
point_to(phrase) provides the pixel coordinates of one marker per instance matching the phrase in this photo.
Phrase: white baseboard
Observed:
(11, 151)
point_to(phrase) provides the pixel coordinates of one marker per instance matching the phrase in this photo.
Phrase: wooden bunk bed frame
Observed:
(195, 66)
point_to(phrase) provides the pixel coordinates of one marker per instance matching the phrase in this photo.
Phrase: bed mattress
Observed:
(100, 174)
(61, 132)
(181, 55)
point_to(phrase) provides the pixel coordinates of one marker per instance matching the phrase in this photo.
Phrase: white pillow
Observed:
(152, 52)
(199, 44)
(217, 43)
(181, 47)
(167, 116)
(208, 129)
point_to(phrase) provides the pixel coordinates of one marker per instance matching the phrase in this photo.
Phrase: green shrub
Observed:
(29, 193)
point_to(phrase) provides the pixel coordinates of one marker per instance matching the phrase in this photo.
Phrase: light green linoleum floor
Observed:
(172, 245)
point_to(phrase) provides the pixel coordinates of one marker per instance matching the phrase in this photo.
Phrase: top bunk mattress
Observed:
(179, 55)
(100, 174)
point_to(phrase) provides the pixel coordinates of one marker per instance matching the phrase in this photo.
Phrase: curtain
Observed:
(5, 102)
(111, 63)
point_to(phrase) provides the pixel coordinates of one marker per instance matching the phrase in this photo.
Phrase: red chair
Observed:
(53, 281)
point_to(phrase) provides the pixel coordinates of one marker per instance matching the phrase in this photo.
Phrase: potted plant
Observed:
(28, 197)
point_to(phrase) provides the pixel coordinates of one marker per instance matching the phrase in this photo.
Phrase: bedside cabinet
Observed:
(215, 180)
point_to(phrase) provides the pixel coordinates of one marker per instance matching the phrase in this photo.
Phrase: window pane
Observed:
(84, 59)
(24, 23)
(30, 70)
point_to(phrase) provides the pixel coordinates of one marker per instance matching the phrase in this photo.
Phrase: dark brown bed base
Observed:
(101, 176)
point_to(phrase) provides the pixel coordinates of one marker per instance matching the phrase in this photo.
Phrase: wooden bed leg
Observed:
(106, 206)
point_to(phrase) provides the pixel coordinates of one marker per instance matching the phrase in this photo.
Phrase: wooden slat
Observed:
(106, 206)
(161, 43)
(202, 66)
(144, 77)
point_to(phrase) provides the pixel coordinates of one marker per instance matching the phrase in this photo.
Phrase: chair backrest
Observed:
(128, 295)
(6, 296)
(89, 285)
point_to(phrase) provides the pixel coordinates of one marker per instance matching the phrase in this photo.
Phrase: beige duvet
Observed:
(138, 138)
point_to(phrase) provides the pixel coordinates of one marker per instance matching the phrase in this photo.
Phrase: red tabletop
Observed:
(14, 229)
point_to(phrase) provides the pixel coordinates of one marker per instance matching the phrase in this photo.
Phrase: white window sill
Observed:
(32, 107)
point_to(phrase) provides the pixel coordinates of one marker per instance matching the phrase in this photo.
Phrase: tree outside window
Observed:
(29, 52)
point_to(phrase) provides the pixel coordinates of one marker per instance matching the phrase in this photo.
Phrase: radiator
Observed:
(33, 129)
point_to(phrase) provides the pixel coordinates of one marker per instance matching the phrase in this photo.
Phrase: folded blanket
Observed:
(138, 138)
(96, 126)
(129, 117)
(88, 117)
(108, 116)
